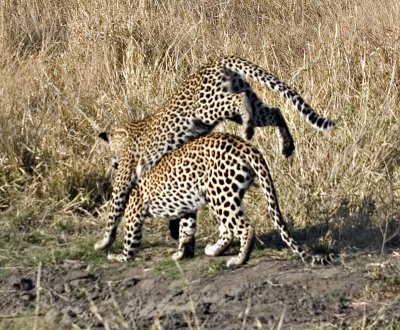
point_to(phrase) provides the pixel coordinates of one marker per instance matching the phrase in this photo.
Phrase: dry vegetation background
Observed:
(70, 68)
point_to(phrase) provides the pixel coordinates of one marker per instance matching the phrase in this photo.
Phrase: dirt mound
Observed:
(200, 293)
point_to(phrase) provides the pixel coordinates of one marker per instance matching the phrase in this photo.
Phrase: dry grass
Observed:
(68, 69)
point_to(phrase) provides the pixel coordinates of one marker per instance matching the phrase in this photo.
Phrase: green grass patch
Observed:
(167, 269)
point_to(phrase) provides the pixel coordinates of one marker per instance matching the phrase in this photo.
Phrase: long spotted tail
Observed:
(260, 167)
(253, 72)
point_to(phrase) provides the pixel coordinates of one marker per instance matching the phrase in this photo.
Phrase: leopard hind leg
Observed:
(261, 114)
(232, 224)
(273, 117)
(187, 230)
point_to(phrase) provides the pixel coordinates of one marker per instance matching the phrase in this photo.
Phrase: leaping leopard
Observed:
(217, 91)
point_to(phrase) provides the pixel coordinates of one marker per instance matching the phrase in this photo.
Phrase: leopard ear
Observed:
(104, 136)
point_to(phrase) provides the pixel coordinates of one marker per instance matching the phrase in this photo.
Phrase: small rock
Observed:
(67, 288)
(129, 282)
(94, 297)
(79, 275)
(51, 315)
(24, 284)
(59, 288)
(66, 320)
(72, 313)
(85, 315)
(205, 308)
(28, 296)
(75, 282)
(77, 310)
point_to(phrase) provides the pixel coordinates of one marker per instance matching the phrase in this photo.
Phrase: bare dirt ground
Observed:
(268, 293)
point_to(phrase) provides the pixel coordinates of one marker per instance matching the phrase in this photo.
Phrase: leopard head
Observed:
(115, 140)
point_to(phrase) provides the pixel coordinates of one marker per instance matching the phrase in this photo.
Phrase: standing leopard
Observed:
(214, 170)
(217, 91)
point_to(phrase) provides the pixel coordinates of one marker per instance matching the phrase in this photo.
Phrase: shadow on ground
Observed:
(349, 230)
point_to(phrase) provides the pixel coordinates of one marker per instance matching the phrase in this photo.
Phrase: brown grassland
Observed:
(69, 69)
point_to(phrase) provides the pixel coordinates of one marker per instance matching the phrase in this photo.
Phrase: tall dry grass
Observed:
(69, 69)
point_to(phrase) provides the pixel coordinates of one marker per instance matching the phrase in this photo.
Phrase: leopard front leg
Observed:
(125, 180)
(117, 206)
(134, 219)
(187, 230)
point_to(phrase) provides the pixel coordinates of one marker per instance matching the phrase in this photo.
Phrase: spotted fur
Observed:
(215, 170)
(216, 92)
